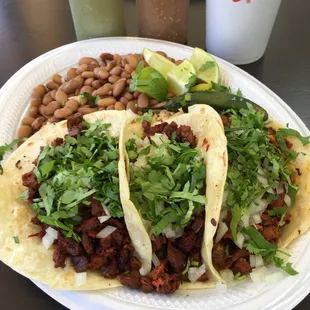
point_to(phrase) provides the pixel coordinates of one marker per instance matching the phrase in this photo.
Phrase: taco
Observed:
(266, 199)
(67, 228)
(173, 174)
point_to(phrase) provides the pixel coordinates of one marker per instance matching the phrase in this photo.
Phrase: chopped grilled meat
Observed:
(96, 262)
(131, 280)
(187, 242)
(96, 208)
(157, 272)
(57, 141)
(89, 224)
(146, 285)
(158, 243)
(110, 270)
(242, 266)
(106, 242)
(59, 257)
(69, 246)
(75, 125)
(271, 233)
(218, 255)
(197, 223)
(167, 284)
(80, 263)
(134, 263)
(30, 180)
(87, 244)
(176, 258)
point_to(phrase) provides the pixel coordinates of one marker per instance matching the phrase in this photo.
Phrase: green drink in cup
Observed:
(97, 18)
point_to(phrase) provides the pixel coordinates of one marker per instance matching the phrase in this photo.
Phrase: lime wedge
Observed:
(202, 87)
(181, 78)
(206, 67)
(158, 62)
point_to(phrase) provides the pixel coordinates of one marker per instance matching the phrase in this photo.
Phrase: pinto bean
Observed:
(113, 79)
(105, 102)
(119, 106)
(132, 61)
(89, 81)
(47, 99)
(116, 71)
(128, 96)
(104, 90)
(53, 94)
(82, 68)
(87, 74)
(143, 101)
(63, 112)
(34, 111)
(101, 73)
(106, 56)
(111, 107)
(61, 97)
(72, 104)
(56, 78)
(80, 80)
(71, 86)
(71, 74)
(110, 65)
(132, 105)
(87, 60)
(35, 102)
(27, 120)
(96, 84)
(87, 89)
(24, 131)
(39, 91)
(51, 108)
(52, 85)
(86, 110)
(124, 100)
(38, 123)
(118, 87)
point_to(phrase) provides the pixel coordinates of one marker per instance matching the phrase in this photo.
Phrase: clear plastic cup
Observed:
(163, 19)
(239, 30)
(98, 18)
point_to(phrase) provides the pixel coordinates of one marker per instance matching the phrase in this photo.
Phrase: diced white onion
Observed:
(227, 275)
(158, 139)
(52, 232)
(258, 274)
(259, 262)
(225, 195)
(263, 180)
(223, 215)
(288, 200)
(155, 260)
(240, 240)
(169, 232)
(245, 218)
(221, 287)
(256, 218)
(194, 273)
(106, 231)
(103, 218)
(274, 277)
(179, 232)
(280, 189)
(80, 278)
(221, 231)
(259, 205)
(47, 241)
(252, 261)
(106, 210)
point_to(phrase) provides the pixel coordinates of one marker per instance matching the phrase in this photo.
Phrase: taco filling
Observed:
(260, 191)
(74, 191)
(167, 186)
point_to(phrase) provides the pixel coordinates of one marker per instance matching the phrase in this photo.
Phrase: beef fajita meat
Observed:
(80, 263)
(183, 133)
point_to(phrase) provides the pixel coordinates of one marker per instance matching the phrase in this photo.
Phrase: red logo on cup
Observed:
(247, 1)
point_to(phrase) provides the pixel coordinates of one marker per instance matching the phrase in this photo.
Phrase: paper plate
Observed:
(14, 102)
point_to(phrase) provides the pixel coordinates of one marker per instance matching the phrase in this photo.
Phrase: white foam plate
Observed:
(14, 103)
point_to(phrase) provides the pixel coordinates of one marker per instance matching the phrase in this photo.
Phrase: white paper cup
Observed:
(239, 30)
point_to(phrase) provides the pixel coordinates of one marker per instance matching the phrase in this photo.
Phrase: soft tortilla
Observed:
(300, 212)
(208, 129)
(29, 257)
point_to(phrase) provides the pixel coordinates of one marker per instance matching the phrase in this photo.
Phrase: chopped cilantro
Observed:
(91, 99)
(146, 117)
(70, 173)
(149, 81)
(207, 65)
(168, 188)
(16, 239)
(191, 81)
(6, 148)
(239, 92)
